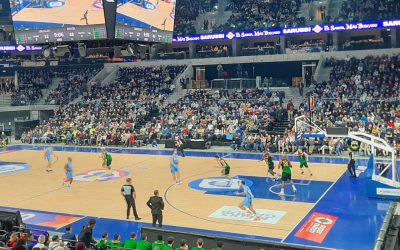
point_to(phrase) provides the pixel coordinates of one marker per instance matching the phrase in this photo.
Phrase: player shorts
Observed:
(247, 202)
(49, 158)
(108, 163)
(69, 175)
(271, 166)
(303, 164)
(286, 176)
(174, 168)
(227, 170)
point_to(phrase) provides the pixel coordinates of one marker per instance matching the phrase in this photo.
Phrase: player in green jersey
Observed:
(107, 158)
(267, 157)
(226, 169)
(286, 174)
(303, 161)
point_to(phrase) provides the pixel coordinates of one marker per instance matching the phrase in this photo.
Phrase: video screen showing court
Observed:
(213, 16)
(148, 14)
(47, 14)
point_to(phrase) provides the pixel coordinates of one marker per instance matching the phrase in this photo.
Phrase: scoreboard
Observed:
(74, 33)
(49, 21)
(140, 34)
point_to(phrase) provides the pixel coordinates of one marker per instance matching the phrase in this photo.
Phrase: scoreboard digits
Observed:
(61, 34)
(139, 34)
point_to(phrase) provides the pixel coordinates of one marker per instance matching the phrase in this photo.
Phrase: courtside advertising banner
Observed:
(317, 227)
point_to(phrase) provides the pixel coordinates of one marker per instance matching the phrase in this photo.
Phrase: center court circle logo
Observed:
(101, 175)
(12, 168)
(218, 184)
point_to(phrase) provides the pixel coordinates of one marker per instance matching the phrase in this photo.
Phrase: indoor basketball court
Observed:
(156, 14)
(205, 201)
(69, 12)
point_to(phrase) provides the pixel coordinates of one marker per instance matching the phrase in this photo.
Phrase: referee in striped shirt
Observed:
(128, 192)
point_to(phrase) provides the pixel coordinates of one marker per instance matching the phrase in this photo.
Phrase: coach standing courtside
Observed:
(128, 192)
(156, 204)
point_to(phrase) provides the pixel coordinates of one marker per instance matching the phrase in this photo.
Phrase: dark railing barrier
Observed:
(210, 241)
(388, 237)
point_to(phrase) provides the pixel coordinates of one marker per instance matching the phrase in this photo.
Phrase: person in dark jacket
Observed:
(156, 204)
(86, 235)
(351, 166)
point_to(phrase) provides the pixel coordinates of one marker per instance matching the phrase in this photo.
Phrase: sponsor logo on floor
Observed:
(235, 213)
(317, 227)
(12, 168)
(101, 175)
(219, 183)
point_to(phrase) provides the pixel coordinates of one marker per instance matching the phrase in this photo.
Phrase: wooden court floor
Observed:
(70, 13)
(38, 190)
(154, 18)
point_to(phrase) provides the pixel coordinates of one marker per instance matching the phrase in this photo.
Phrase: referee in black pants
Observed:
(351, 166)
(128, 192)
(156, 204)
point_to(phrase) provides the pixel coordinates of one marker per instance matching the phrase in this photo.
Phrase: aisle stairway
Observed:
(279, 127)
(5, 100)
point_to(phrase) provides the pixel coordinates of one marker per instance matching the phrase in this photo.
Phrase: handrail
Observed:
(385, 225)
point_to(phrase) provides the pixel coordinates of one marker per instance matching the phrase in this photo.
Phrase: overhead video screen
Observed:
(204, 20)
(145, 20)
(41, 21)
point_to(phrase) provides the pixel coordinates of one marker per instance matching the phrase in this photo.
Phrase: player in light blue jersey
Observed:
(174, 166)
(49, 156)
(69, 173)
(247, 204)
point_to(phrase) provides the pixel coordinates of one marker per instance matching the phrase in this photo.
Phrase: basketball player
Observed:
(107, 159)
(69, 173)
(247, 204)
(85, 17)
(267, 157)
(48, 155)
(286, 174)
(174, 165)
(179, 145)
(226, 169)
(303, 161)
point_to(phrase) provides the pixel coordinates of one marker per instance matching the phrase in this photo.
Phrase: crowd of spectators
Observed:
(355, 11)
(26, 95)
(139, 83)
(22, 238)
(217, 115)
(186, 13)
(6, 85)
(113, 114)
(212, 51)
(259, 14)
(38, 77)
(246, 15)
(307, 46)
(74, 82)
(361, 94)
(32, 81)
(30, 85)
